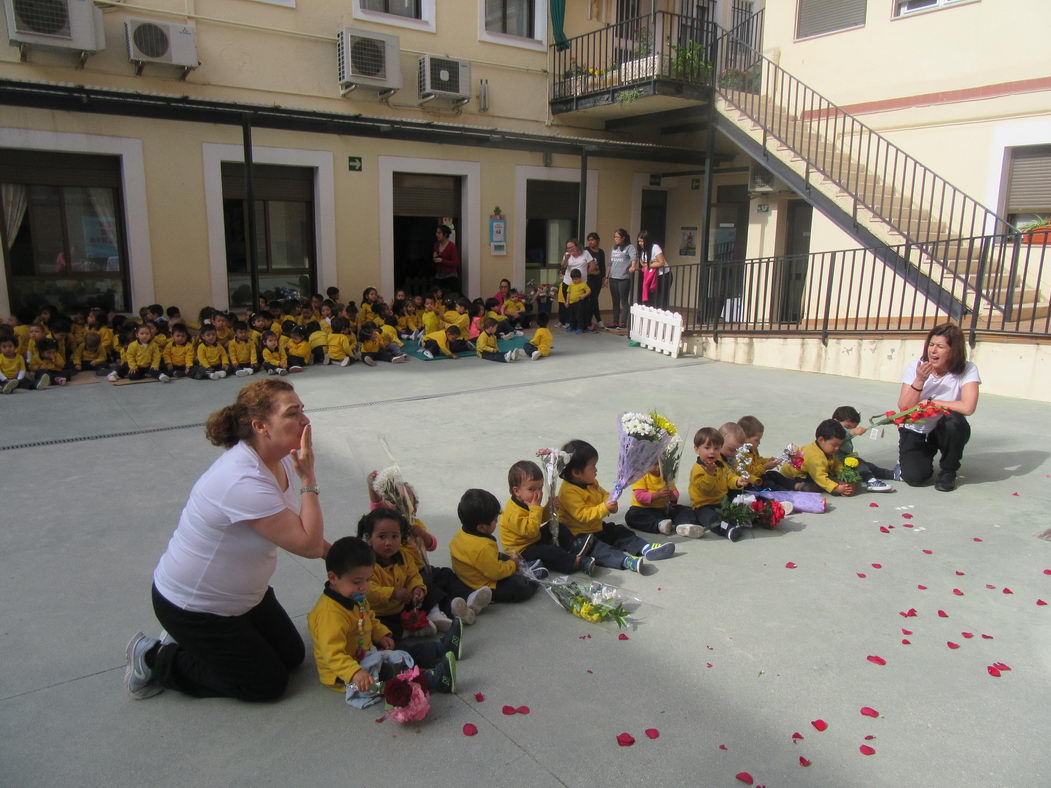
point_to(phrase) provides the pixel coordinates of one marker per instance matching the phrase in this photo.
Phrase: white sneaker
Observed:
(112, 377)
(215, 375)
(877, 485)
(536, 355)
(666, 527)
(479, 599)
(243, 372)
(10, 385)
(164, 378)
(138, 676)
(519, 333)
(441, 621)
(509, 356)
(401, 358)
(249, 371)
(369, 360)
(345, 362)
(281, 371)
(459, 608)
(220, 374)
(327, 360)
(689, 530)
(427, 354)
(600, 324)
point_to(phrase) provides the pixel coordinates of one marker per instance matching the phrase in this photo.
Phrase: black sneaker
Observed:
(586, 543)
(734, 533)
(452, 640)
(588, 565)
(442, 677)
(946, 481)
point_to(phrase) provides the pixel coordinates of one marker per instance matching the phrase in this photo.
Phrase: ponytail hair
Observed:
(231, 425)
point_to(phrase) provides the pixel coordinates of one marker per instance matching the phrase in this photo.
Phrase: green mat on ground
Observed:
(413, 348)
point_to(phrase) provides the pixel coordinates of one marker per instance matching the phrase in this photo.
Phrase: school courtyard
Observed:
(739, 648)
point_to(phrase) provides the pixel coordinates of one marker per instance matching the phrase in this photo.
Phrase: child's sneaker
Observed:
(44, 382)
(666, 527)
(734, 533)
(268, 372)
(584, 544)
(509, 356)
(345, 362)
(587, 565)
(138, 676)
(242, 372)
(9, 385)
(876, 485)
(427, 354)
(369, 360)
(164, 378)
(689, 530)
(658, 550)
(538, 570)
(113, 377)
(221, 374)
(60, 381)
(452, 640)
(441, 621)
(897, 472)
(634, 563)
(442, 677)
(479, 599)
(401, 358)
(579, 331)
(458, 607)
(535, 355)
(326, 361)
(281, 371)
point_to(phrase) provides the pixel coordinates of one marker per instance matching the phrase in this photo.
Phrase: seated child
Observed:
(582, 505)
(656, 509)
(13, 372)
(260, 323)
(431, 319)
(445, 341)
(711, 481)
(142, 358)
(408, 320)
(733, 439)
(212, 361)
(317, 337)
(477, 313)
(820, 461)
(179, 354)
(871, 473)
(753, 435)
(340, 344)
(345, 629)
(456, 314)
(90, 354)
(50, 363)
(476, 557)
(374, 347)
(275, 359)
(242, 350)
(515, 310)
(540, 345)
(503, 325)
(486, 345)
(298, 349)
(523, 528)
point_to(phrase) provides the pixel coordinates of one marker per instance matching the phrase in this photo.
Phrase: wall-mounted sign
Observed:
(354, 163)
(763, 207)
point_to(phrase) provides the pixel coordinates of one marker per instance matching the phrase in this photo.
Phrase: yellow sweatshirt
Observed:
(650, 483)
(432, 321)
(462, 321)
(277, 358)
(224, 336)
(582, 508)
(755, 466)
(512, 308)
(520, 525)
(11, 367)
(374, 345)
(82, 357)
(708, 488)
(390, 334)
(22, 338)
(441, 338)
(340, 346)
(542, 340)
(476, 560)
(138, 355)
(578, 292)
(403, 572)
(243, 352)
(179, 356)
(486, 343)
(333, 625)
(817, 465)
(300, 349)
(57, 363)
(212, 356)
(319, 339)
(408, 324)
(429, 543)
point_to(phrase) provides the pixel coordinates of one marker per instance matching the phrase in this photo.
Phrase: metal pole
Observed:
(582, 198)
(253, 251)
(706, 214)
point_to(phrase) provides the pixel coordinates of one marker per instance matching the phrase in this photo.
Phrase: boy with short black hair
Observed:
(540, 343)
(820, 461)
(13, 372)
(346, 632)
(445, 341)
(577, 302)
(244, 355)
(872, 474)
(711, 481)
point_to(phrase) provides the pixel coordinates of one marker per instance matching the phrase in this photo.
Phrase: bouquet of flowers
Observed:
(741, 458)
(406, 696)
(914, 415)
(747, 510)
(395, 491)
(669, 460)
(848, 473)
(595, 602)
(641, 444)
(767, 513)
(553, 463)
(413, 619)
(792, 454)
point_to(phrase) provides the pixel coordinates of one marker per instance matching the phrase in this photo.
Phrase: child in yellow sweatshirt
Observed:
(340, 344)
(655, 508)
(711, 481)
(244, 355)
(346, 632)
(540, 345)
(582, 508)
(212, 360)
(821, 462)
(487, 347)
(576, 299)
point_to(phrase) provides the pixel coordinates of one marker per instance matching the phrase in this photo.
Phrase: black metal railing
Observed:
(851, 291)
(644, 49)
(916, 203)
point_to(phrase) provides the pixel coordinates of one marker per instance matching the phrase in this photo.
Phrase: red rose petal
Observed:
(709, 648)
(864, 749)
(744, 777)
(522, 710)
(987, 637)
(910, 613)
(803, 761)
(922, 588)
(380, 719)
(869, 738)
(821, 725)
(928, 552)
(708, 664)
(790, 565)
(905, 642)
(990, 587)
(942, 614)
(622, 636)
(868, 711)
(884, 529)
(1008, 591)
(873, 505)
(950, 644)
(877, 566)
(876, 660)
(906, 632)
(1040, 602)
(589, 670)
(509, 710)
(906, 516)
(470, 729)
(993, 672)
(479, 697)
(653, 733)
(1015, 494)
(722, 746)
(957, 591)
(862, 575)
(1001, 666)
(1047, 571)
(967, 635)
(625, 739)
(906, 525)
(976, 539)
(797, 736)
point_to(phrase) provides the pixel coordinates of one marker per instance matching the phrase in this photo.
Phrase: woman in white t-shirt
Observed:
(577, 259)
(227, 635)
(944, 376)
(651, 258)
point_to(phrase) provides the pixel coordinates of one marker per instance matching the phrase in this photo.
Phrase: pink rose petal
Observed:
(869, 738)
(625, 739)
(959, 573)
(877, 566)
(868, 711)
(470, 729)
(479, 697)
(790, 565)
(905, 642)
(862, 575)
(1040, 603)
(876, 660)
(803, 761)
(722, 746)
(942, 614)
(873, 505)
(744, 777)
(950, 644)
(987, 637)
(993, 672)
(990, 587)
(906, 516)
(906, 525)
(864, 749)
(1008, 591)
(928, 552)
(708, 664)
(820, 725)
(1001, 666)
(653, 733)
(967, 635)
(906, 632)
(910, 613)
(622, 636)
(1047, 571)
(976, 539)
(522, 710)
(884, 529)
(922, 587)
(957, 591)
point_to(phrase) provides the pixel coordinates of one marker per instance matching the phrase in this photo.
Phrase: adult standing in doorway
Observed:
(656, 275)
(596, 276)
(226, 633)
(623, 261)
(574, 259)
(446, 260)
(943, 376)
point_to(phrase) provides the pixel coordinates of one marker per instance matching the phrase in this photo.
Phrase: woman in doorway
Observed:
(622, 264)
(656, 278)
(943, 376)
(446, 260)
(577, 259)
(596, 276)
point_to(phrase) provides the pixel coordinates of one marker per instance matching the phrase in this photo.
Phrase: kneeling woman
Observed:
(227, 635)
(944, 376)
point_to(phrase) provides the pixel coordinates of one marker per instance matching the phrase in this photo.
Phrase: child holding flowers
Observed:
(711, 481)
(477, 560)
(821, 465)
(873, 475)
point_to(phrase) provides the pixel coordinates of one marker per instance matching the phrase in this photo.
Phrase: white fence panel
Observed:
(656, 329)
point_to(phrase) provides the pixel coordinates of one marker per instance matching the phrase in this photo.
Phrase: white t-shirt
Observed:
(656, 250)
(215, 561)
(581, 262)
(947, 387)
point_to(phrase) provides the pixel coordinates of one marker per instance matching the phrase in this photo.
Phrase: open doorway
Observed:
(799, 217)
(421, 203)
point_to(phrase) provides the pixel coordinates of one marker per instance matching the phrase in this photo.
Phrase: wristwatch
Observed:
(312, 488)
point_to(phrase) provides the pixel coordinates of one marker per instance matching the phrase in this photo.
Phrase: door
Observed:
(421, 203)
(799, 218)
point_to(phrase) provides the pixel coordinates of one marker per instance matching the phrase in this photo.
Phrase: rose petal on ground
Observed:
(987, 637)
(928, 552)
(967, 635)
(950, 644)
(1047, 571)
(942, 614)
(957, 591)
(990, 587)
(1001, 666)
(722, 746)
(803, 761)
(509, 710)
(876, 660)
(910, 613)
(959, 573)
(862, 575)
(479, 697)
(906, 516)
(708, 664)
(625, 739)
(868, 711)
(470, 729)
(873, 505)
(380, 719)
(906, 525)
(797, 736)
(522, 710)
(653, 733)
(906, 632)
(1008, 591)
(622, 636)
(589, 670)
(877, 566)
(820, 725)
(922, 587)
(993, 672)
(1040, 602)
(884, 529)
(744, 777)
(864, 749)
(1015, 494)
(790, 565)
(905, 642)
(976, 539)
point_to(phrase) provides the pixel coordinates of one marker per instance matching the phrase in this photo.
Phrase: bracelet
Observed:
(311, 489)
(920, 389)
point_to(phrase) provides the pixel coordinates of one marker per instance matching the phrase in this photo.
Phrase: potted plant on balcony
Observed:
(744, 79)
(688, 62)
(1036, 232)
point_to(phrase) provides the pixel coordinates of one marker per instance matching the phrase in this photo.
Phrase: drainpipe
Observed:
(253, 251)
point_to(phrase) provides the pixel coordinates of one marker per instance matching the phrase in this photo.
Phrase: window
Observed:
(518, 23)
(825, 16)
(1028, 197)
(414, 14)
(62, 229)
(551, 219)
(407, 8)
(905, 7)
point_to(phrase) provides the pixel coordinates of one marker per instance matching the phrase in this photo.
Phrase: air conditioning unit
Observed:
(161, 42)
(368, 60)
(55, 24)
(760, 179)
(444, 78)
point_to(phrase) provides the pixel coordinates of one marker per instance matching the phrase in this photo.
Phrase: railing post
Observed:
(982, 257)
(1016, 241)
(828, 299)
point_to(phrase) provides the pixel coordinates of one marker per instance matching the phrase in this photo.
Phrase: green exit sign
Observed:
(354, 163)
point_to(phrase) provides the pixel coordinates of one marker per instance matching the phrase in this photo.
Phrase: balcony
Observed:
(647, 64)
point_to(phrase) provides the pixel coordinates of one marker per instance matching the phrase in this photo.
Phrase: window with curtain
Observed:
(62, 231)
(824, 16)
(511, 17)
(1028, 185)
(407, 8)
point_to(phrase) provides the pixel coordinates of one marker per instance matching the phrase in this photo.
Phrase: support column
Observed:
(253, 251)
(582, 198)
(704, 286)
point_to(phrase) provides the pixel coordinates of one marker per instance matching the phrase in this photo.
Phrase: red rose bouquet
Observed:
(767, 513)
(914, 415)
(406, 696)
(414, 619)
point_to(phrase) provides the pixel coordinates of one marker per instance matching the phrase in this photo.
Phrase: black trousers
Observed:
(916, 451)
(492, 355)
(515, 588)
(595, 285)
(247, 657)
(645, 518)
(551, 556)
(426, 653)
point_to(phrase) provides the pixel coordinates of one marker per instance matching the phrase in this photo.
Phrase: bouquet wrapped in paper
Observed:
(398, 494)
(792, 455)
(641, 444)
(748, 510)
(405, 697)
(801, 501)
(592, 601)
(741, 459)
(553, 462)
(669, 460)
(914, 415)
